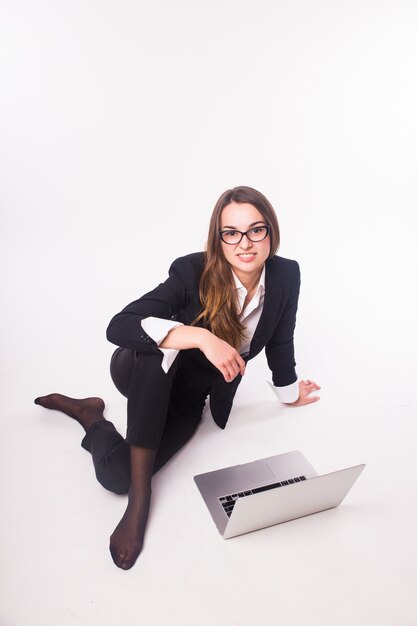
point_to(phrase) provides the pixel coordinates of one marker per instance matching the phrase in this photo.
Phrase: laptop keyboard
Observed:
(228, 502)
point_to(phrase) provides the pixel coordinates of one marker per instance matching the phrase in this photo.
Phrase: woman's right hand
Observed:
(221, 354)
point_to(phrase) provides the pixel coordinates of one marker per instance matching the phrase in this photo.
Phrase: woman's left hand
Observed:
(305, 388)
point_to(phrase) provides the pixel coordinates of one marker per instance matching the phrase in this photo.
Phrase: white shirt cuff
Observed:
(286, 394)
(158, 328)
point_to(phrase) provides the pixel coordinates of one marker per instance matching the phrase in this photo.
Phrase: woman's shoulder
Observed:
(281, 263)
(278, 267)
(193, 260)
(189, 266)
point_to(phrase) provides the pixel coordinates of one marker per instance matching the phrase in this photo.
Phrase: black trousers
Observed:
(163, 412)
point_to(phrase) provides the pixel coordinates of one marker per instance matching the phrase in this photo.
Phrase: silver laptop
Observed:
(247, 497)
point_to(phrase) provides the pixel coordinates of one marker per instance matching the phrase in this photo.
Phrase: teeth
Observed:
(249, 254)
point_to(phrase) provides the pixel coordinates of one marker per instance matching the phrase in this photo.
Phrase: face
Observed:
(247, 257)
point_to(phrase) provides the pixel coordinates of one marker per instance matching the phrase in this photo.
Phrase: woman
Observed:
(189, 338)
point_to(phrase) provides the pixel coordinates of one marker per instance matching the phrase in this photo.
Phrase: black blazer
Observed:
(178, 299)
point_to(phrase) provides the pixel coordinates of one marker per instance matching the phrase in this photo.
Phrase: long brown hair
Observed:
(217, 288)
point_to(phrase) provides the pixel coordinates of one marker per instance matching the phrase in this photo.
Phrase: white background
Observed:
(121, 124)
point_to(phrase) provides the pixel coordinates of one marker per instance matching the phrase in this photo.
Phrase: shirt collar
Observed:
(242, 291)
(261, 284)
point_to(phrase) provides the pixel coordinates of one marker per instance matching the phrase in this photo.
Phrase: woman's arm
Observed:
(222, 355)
(279, 349)
(125, 328)
(165, 301)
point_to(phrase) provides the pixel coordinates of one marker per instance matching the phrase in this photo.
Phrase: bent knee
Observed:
(114, 479)
(115, 486)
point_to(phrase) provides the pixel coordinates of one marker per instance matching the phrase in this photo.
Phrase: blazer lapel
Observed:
(269, 316)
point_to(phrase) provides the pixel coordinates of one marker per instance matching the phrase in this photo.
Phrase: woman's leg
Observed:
(148, 390)
(127, 539)
(180, 423)
(150, 420)
(154, 435)
(119, 467)
(179, 428)
(109, 451)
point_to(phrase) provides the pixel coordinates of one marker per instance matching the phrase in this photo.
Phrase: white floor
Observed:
(352, 565)
(121, 124)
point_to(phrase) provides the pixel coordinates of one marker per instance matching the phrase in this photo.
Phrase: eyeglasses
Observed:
(258, 233)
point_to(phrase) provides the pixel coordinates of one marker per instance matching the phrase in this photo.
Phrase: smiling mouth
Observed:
(247, 254)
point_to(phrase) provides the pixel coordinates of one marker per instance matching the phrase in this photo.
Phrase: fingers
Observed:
(230, 371)
(241, 363)
(311, 399)
(234, 367)
(227, 375)
(309, 384)
(303, 400)
(223, 356)
(306, 387)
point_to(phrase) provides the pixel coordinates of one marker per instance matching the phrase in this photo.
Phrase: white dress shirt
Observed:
(158, 329)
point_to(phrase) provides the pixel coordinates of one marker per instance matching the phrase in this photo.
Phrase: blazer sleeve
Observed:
(125, 328)
(279, 349)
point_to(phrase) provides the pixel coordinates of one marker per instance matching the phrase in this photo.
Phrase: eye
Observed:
(229, 233)
(258, 230)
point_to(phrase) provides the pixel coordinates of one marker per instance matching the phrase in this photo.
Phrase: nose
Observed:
(245, 244)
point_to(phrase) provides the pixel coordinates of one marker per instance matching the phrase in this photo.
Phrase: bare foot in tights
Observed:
(85, 411)
(127, 539)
